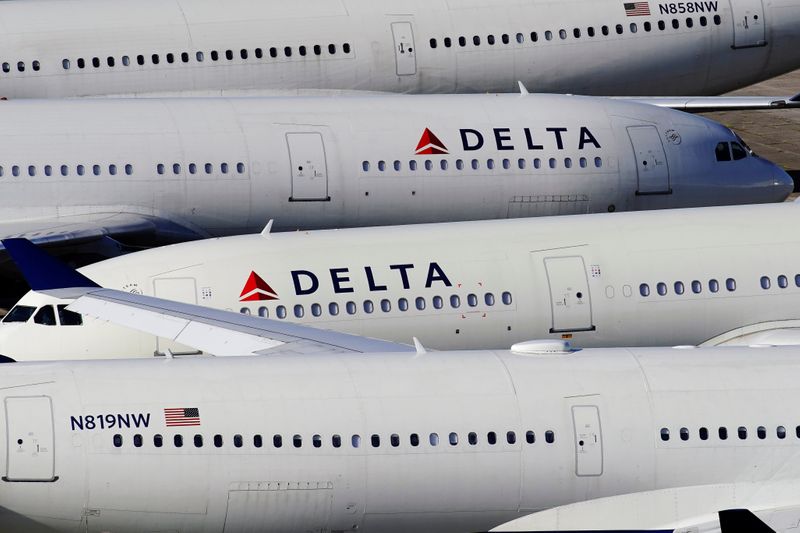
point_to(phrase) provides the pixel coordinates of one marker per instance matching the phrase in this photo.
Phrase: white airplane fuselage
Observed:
(227, 166)
(439, 442)
(79, 47)
(659, 278)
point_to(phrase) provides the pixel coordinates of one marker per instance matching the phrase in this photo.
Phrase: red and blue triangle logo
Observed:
(429, 144)
(256, 290)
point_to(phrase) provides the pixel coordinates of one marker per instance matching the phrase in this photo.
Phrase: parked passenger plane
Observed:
(91, 47)
(723, 275)
(313, 438)
(155, 170)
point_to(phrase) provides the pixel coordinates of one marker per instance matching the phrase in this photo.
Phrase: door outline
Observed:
(553, 329)
(293, 163)
(404, 55)
(665, 189)
(743, 34)
(578, 438)
(52, 435)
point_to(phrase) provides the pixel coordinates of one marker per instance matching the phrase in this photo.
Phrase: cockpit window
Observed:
(745, 145)
(723, 152)
(738, 151)
(19, 313)
(45, 316)
(67, 317)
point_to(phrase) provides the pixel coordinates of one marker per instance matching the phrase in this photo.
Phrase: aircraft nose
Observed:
(782, 182)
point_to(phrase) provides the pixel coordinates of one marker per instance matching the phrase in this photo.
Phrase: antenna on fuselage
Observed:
(419, 347)
(522, 89)
(267, 229)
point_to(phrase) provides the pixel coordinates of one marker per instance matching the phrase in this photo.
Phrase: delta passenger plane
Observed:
(94, 173)
(604, 47)
(323, 435)
(725, 275)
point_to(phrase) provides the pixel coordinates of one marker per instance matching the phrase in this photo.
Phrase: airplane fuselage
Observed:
(381, 442)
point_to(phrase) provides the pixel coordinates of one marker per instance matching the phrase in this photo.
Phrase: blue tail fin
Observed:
(41, 270)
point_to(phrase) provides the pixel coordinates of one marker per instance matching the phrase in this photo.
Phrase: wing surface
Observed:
(705, 104)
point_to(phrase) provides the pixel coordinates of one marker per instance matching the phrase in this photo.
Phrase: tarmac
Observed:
(774, 135)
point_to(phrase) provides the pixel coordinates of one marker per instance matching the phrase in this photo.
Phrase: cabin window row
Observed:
(476, 164)
(384, 305)
(679, 288)
(703, 433)
(194, 168)
(8, 67)
(66, 170)
(375, 440)
(213, 55)
(563, 34)
(781, 281)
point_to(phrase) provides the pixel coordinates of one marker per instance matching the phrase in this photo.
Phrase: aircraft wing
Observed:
(222, 333)
(705, 104)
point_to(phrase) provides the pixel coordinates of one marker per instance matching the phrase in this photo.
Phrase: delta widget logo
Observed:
(429, 144)
(257, 290)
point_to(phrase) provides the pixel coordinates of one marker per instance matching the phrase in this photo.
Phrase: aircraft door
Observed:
(748, 23)
(588, 440)
(29, 435)
(404, 49)
(569, 294)
(309, 167)
(651, 160)
(179, 290)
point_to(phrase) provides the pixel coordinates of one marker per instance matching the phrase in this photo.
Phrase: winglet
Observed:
(522, 89)
(795, 98)
(741, 521)
(42, 271)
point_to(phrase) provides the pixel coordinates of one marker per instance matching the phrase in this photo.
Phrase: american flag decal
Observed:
(182, 416)
(637, 9)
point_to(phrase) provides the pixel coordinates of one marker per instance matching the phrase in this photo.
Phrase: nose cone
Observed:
(782, 183)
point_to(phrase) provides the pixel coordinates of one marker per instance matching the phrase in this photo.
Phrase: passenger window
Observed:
(155, 59)
(713, 285)
(661, 288)
(506, 297)
(689, 22)
(537, 163)
(386, 305)
(218, 441)
(488, 299)
(722, 151)
(723, 433)
(160, 168)
(331, 49)
(316, 441)
(280, 311)
(530, 437)
(703, 21)
(455, 301)
(521, 163)
(443, 164)
(730, 284)
(402, 304)
(511, 437)
(209, 168)
(472, 438)
(590, 31)
(490, 39)
(459, 164)
(742, 432)
(298, 311)
(475, 164)
(397, 166)
(96, 62)
(548, 35)
(664, 434)
(534, 36)
(448, 42)
(598, 162)
(412, 165)
(661, 25)
(64, 170)
(549, 437)
(224, 168)
(67, 317)
(158, 440)
(48, 170)
(780, 431)
(676, 24)
(126, 61)
(697, 287)
(619, 29)
(782, 281)
(316, 309)
(351, 308)
(453, 439)
(414, 439)
(491, 438)
(346, 48)
(633, 27)
(177, 440)
(198, 441)
(128, 169)
(199, 56)
(112, 169)
(369, 307)
(551, 162)
(170, 58)
(336, 441)
(297, 441)
(438, 302)
(684, 433)
(604, 30)
(355, 440)
(192, 168)
(433, 43)
(678, 286)
(243, 53)
(420, 303)
(394, 440)
(277, 441)
(428, 164)
(32, 170)
(65, 64)
(46, 316)
(96, 170)
(648, 26)
(176, 168)
(644, 290)
(576, 33)
(472, 300)
(476, 40)
(765, 283)
(263, 312)
(375, 441)
(333, 308)
(117, 441)
(703, 432)
(761, 432)
(797, 280)
(738, 151)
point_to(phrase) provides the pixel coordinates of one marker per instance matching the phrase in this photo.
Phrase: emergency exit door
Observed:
(651, 160)
(748, 23)
(178, 290)
(404, 50)
(570, 301)
(588, 440)
(29, 437)
(309, 167)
